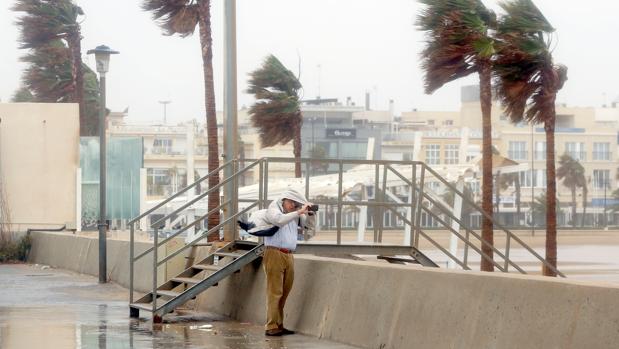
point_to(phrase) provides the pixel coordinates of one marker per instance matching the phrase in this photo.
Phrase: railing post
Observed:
(413, 196)
(383, 199)
(155, 260)
(507, 247)
(265, 186)
(376, 213)
(261, 185)
(339, 202)
(307, 182)
(466, 249)
(419, 204)
(131, 253)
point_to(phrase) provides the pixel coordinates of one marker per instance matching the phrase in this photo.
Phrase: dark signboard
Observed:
(342, 133)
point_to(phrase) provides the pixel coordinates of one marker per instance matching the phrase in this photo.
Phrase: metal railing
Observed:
(422, 200)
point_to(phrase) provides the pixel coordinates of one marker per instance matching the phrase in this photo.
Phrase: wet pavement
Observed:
(42, 307)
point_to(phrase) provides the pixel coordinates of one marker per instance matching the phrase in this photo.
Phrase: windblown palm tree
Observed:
(573, 175)
(527, 84)
(459, 44)
(181, 17)
(46, 22)
(276, 114)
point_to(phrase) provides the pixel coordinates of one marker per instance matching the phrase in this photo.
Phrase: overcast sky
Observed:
(360, 45)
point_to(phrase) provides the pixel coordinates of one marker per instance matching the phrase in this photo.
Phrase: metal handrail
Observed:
(177, 194)
(495, 224)
(203, 195)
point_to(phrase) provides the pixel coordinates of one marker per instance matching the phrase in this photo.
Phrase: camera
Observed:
(313, 208)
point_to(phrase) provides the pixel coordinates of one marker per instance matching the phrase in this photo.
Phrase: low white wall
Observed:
(374, 305)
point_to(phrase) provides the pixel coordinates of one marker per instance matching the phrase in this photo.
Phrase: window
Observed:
(452, 154)
(433, 154)
(601, 151)
(158, 182)
(576, 150)
(517, 150)
(538, 179)
(448, 122)
(601, 179)
(162, 146)
(431, 122)
(540, 150)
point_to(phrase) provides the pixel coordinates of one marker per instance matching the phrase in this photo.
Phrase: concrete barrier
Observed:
(375, 305)
(81, 254)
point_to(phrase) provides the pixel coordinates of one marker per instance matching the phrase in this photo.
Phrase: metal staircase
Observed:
(200, 274)
(197, 278)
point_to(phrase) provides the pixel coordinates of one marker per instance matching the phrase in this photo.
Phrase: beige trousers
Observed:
(279, 270)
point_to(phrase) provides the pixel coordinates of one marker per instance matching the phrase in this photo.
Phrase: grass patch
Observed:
(13, 249)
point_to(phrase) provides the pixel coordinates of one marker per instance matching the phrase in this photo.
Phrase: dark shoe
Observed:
(286, 331)
(276, 332)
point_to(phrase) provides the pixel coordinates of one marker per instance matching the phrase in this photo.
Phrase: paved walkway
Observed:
(42, 307)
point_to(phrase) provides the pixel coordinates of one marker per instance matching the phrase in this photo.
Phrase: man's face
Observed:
(290, 205)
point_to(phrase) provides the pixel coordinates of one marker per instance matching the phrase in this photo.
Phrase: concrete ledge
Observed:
(375, 305)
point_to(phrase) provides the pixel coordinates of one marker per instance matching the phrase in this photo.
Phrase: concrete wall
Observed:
(81, 254)
(39, 157)
(375, 305)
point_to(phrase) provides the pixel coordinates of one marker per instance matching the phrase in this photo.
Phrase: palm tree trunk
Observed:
(486, 109)
(296, 145)
(585, 192)
(574, 207)
(77, 74)
(551, 196)
(517, 183)
(206, 42)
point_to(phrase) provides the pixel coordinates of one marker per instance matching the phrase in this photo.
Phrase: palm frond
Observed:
(174, 16)
(277, 111)
(456, 39)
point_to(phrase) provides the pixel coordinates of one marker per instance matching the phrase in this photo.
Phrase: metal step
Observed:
(228, 254)
(207, 267)
(185, 280)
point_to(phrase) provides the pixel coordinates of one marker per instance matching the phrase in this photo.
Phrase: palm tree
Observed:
(47, 21)
(181, 17)
(527, 84)
(276, 113)
(585, 193)
(504, 182)
(459, 44)
(539, 206)
(573, 175)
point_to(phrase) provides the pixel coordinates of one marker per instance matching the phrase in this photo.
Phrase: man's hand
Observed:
(304, 209)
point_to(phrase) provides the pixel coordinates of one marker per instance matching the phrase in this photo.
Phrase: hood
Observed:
(290, 194)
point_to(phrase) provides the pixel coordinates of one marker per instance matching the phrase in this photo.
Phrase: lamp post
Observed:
(165, 105)
(102, 57)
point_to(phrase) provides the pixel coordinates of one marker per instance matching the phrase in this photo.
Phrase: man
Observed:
(289, 213)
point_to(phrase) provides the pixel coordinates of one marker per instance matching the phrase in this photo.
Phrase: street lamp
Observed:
(165, 104)
(102, 57)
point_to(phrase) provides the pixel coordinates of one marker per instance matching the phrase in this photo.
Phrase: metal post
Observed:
(230, 111)
(155, 260)
(131, 253)
(375, 208)
(419, 205)
(413, 196)
(102, 185)
(382, 208)
(339, 202)
(261, 185)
